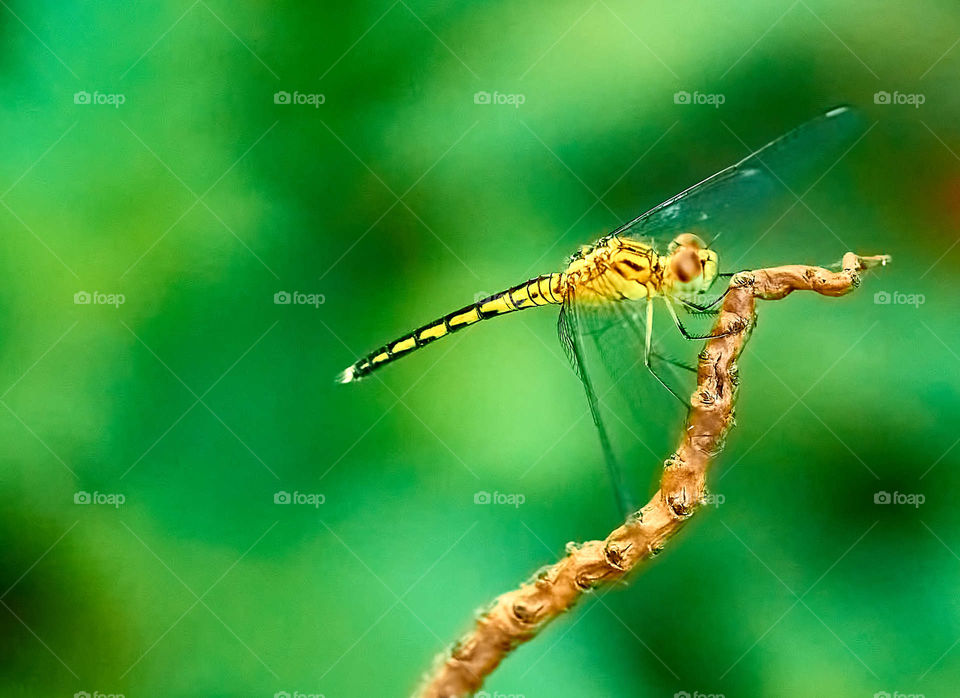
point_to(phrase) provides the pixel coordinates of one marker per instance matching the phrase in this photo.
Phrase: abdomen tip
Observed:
(347, 376)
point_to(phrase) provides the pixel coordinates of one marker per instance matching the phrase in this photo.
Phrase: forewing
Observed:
(735, 209)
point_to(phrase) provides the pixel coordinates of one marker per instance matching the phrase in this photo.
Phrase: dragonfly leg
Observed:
(709, 306)
(695, 309)
(683, 330)
(649, 354)
(674, 362)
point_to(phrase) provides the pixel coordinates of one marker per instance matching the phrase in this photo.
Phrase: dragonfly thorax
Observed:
(618, 268)
(615, 269)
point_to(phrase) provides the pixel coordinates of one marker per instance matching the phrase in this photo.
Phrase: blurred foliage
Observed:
(198, 398)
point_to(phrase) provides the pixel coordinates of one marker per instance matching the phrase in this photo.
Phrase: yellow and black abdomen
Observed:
(543, 290)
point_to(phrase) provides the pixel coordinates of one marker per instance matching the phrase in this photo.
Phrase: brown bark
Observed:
(517, 616)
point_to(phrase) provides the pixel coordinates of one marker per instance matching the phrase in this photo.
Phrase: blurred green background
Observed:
(399, 198)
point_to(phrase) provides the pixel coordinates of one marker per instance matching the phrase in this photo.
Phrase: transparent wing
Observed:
(635, 414)
(572, 341)
(633, 410)
(744, 202)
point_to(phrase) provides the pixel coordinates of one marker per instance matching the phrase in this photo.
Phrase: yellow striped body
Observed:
(543, 290)
(614, 269)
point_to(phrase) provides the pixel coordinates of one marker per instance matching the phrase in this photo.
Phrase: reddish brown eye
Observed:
(686, 265)
(689, 240)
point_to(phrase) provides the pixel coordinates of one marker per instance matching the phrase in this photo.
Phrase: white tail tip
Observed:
(347, 376)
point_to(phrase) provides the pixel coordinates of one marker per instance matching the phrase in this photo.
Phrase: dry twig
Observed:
(519, 615)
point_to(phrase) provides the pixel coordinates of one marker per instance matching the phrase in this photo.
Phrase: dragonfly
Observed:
(609, 291)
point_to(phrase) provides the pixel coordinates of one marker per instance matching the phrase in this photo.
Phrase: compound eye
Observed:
(685, 264)
(687, 240)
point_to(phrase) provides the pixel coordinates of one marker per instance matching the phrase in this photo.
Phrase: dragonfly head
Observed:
(691, 265)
